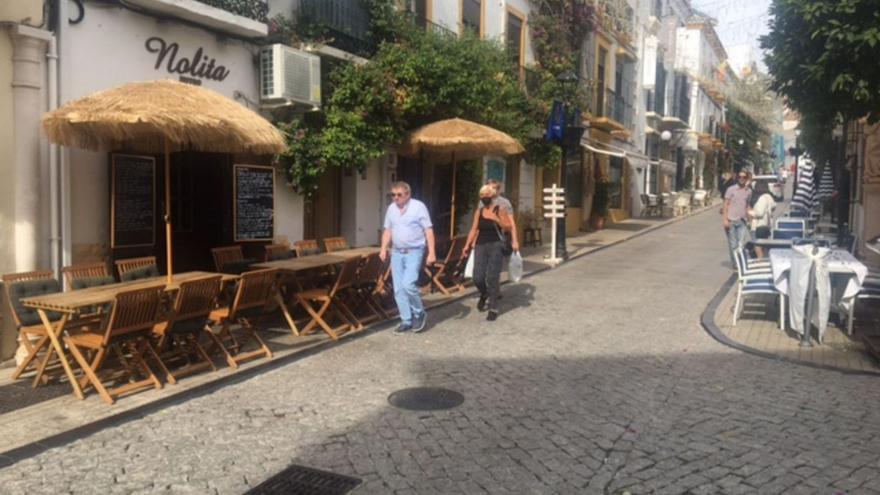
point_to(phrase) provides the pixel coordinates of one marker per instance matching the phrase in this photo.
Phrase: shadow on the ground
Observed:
(19, 394)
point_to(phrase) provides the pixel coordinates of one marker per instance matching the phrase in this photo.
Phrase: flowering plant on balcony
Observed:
(616, 17)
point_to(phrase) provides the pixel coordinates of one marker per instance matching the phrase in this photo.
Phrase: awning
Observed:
(637, 161)
(666, 166)
(618, 154)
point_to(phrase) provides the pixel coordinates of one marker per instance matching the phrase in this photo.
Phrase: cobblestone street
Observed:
(597, 378)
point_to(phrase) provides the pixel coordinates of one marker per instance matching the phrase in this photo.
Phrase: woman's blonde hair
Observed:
(487, 189)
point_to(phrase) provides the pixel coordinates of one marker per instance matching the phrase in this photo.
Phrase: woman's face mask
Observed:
(486, 201)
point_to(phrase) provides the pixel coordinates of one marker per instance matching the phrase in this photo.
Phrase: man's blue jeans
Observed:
(736, 236)
(405, 268)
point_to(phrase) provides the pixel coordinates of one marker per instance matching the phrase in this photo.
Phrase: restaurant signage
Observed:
(254, 208)
(133, 208)
(199, 65)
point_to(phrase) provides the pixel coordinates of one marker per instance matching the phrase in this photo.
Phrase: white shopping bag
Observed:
(515, 267)
(469, 267)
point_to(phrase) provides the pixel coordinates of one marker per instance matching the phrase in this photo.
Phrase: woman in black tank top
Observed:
(490, 226)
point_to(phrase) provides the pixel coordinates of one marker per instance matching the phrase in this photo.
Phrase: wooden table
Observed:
(295, 265)
(70, 304)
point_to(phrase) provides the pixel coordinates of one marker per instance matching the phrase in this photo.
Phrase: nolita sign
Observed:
(190, 69)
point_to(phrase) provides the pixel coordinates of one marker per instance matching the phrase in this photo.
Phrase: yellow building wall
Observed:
(28, 12)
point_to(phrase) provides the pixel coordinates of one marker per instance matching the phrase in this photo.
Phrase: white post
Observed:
(553, 235)
(554, 210)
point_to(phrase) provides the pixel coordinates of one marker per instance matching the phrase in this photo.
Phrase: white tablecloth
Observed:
(839, 262)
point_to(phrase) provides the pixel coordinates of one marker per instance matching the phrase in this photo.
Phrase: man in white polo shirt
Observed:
(408, 233)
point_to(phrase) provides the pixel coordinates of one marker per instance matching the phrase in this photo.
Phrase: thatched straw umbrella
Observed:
(461, 140)
(162, 117)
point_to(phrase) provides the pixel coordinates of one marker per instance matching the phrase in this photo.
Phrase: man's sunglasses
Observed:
(743, 177)
(398, 195)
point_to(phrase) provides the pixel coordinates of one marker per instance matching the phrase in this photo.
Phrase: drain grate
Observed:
(426, 399)
(303, 480)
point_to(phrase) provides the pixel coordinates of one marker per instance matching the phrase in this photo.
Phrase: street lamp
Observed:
(572, 132)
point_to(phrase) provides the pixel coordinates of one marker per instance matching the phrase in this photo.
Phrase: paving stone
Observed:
(596, 377)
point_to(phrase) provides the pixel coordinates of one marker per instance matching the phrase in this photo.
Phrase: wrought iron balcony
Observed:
(619, 109)
(427, 25)
(346, 23)
(257, 10)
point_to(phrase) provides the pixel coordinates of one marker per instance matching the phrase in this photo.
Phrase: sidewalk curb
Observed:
(23, 452)
(707, 320)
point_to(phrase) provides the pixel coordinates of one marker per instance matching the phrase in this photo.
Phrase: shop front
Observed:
(208, 190)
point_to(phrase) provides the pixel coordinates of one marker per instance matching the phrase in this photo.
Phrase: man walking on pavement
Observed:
(734, 215)
(408, 233)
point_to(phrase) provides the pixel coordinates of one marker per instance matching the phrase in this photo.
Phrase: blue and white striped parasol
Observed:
(826, 183)
(805, 189)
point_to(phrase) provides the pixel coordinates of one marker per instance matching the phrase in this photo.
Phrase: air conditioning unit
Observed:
(290, 75)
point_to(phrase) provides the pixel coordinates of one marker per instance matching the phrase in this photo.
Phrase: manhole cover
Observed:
(305, 481)
(425, 399)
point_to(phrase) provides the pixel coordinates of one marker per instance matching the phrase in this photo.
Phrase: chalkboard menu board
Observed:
(254, 203)
(133, 209)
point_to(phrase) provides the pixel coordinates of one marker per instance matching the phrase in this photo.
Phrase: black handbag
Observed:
(506, 243)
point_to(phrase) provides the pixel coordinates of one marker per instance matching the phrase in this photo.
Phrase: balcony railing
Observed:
(257, 10)
(346, 23)
(430, 26)
(616, 107)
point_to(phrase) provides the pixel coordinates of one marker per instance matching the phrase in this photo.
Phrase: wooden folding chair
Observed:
(445, 275)
(278, 252)
(317, 302)
(126, 333)
(87, 275)
(230, 259)
(179, 335)
(254, 295)
(306, 247)
(332, 244)
(18, 286)
(137, 268)
(364, 289)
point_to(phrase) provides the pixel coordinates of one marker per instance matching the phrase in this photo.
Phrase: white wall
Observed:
(288, 210)
(363, 205)
(446, 13)
(7, 152)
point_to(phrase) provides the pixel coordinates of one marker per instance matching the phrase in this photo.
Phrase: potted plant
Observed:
(600, 204)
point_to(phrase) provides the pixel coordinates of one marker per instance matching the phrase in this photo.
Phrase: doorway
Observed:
(323, 212)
